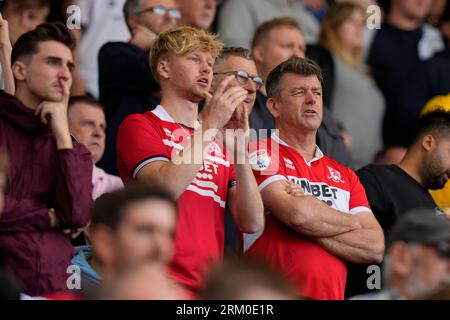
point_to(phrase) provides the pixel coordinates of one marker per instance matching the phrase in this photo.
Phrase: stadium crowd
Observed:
(234, 149)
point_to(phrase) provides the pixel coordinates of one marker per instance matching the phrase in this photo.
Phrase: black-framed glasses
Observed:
(242, 77)
(161, 11)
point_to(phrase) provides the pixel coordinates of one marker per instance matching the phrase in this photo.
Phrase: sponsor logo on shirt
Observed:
(332, 196)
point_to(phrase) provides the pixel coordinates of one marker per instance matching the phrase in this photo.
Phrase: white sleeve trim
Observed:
(146, 162)
(268, 181)
(358, 210)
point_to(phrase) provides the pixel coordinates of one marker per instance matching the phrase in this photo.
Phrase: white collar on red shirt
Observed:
(162, 114)
(317, 155)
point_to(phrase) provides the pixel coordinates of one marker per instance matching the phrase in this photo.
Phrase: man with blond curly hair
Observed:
(171, 147)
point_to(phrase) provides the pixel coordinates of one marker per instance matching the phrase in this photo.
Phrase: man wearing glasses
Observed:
(126, 83)
(146, 19)
(237, 61)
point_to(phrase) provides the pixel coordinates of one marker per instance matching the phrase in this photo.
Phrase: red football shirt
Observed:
(317, 273)
(199, 240)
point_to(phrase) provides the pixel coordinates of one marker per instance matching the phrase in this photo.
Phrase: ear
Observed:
(401, 258)
(258, 54)
(273, 107)
(163, 69)
(428, 142)
(19, 70)
(103, 244)
(133, 22)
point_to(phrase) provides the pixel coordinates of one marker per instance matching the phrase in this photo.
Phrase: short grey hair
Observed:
(130, 8)
(233, 52)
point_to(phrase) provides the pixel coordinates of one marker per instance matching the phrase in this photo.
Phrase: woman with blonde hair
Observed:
(357, 103)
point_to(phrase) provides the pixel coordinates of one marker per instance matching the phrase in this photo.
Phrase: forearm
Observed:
(358, 246)
(248, 209)
(316, 219)
(177, 174)
(73, 187)
(5, 61)
(63, 140)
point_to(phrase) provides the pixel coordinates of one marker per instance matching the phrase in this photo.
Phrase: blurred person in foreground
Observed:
(128, 228)
(144, 282)
(243, 278)
(417, 261)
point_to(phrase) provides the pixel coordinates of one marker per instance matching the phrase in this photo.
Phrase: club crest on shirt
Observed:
(215, 150)
(260, 160)
(334, 175)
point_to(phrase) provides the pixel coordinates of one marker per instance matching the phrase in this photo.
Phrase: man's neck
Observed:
(397, 19)
(410, 165)
(303, 142)
(27, 98)
(181, 110)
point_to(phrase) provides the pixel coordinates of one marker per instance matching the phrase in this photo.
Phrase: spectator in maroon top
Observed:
(48, 192)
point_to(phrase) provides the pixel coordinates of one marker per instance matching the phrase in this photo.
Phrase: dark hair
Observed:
(263, 30)
(300, 66)
(436, 122)
(111, 208)
(27, 44)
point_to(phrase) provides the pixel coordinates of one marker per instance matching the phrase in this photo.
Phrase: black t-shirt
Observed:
(391, 193)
